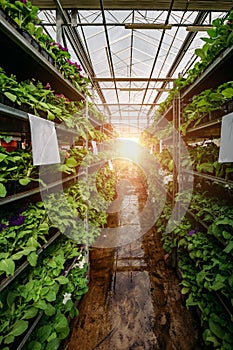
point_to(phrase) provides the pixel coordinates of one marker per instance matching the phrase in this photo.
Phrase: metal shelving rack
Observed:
(30, 63)
(215, 74)
(35, 64)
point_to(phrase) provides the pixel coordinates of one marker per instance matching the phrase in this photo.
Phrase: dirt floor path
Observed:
(134, 299)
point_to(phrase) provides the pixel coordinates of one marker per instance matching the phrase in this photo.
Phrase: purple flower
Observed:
(23, 1)
(2, 226)
(191, 232)
(62, 48)
(17, 220)
(78, 66)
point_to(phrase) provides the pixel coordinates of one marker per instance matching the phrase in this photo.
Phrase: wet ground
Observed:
(134, 299)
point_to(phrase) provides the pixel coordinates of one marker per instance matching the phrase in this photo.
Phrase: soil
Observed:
(134, 299)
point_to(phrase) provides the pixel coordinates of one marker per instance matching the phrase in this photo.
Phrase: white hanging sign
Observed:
(160, 146)
(110, 165)
(95, 150)
(226, 141)
(45, 148)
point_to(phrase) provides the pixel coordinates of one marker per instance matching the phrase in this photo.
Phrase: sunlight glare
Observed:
(130, 147)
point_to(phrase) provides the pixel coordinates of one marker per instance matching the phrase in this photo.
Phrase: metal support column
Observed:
(176, 167)
(59, 23)
(86, 180)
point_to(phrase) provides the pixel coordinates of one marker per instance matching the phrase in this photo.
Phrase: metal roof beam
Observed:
(179, 5)
(130, 79)
(109, 53)
(182, 51)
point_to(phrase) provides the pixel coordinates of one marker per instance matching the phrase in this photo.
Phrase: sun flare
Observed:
(130, 147)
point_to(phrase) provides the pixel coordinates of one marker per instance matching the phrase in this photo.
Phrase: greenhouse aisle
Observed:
(134, 299)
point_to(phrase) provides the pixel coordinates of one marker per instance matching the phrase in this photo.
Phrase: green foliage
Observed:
(203, 104)
(22, 13)
(40, 99)
(42, 288)
(16, 167)
(26, 17)
(204, 159)
(219, 38)
(205, 264)
(22, 236)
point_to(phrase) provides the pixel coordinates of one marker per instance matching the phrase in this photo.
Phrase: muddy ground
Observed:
(134, 299)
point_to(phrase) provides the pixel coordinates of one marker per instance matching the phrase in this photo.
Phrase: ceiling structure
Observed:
(132, 51)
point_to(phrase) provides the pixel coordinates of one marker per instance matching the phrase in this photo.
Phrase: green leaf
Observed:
(19, 328)
(229, 247)
(50, 296)
(2, 156)
(205, 167)
(50, 115)
(32, 242)
(217, 285)
(3, 191)
(230, 281)
(25, 251)
(73, 312)
(62, 280)
(185, 290)
(24, 181)
(200, 52)
(52, 336)
(71, 162)
(44, 105)
(9, 339)
(53, 344)
(30, 313)
(50, 310)
(35, 345)
(212, 32)
(11, 97)
(41, 304)
(216, 328)
(6, 138)
(32, 258)
(208, 336)
(8, 266)
(44, 332)
(62, 327)
(11, 298)
(228, 93)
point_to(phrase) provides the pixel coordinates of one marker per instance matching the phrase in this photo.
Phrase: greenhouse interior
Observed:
(116, 181)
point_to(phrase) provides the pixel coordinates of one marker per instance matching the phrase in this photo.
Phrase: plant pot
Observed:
(9, 19)
(30, 39)
(3, 14)
(6, 101)
(228, 107)
(26, 35)
(42, 114)
(45, 54)
(35, 44)
(51, 60)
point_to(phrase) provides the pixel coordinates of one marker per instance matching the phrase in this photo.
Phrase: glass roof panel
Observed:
(118, 53)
